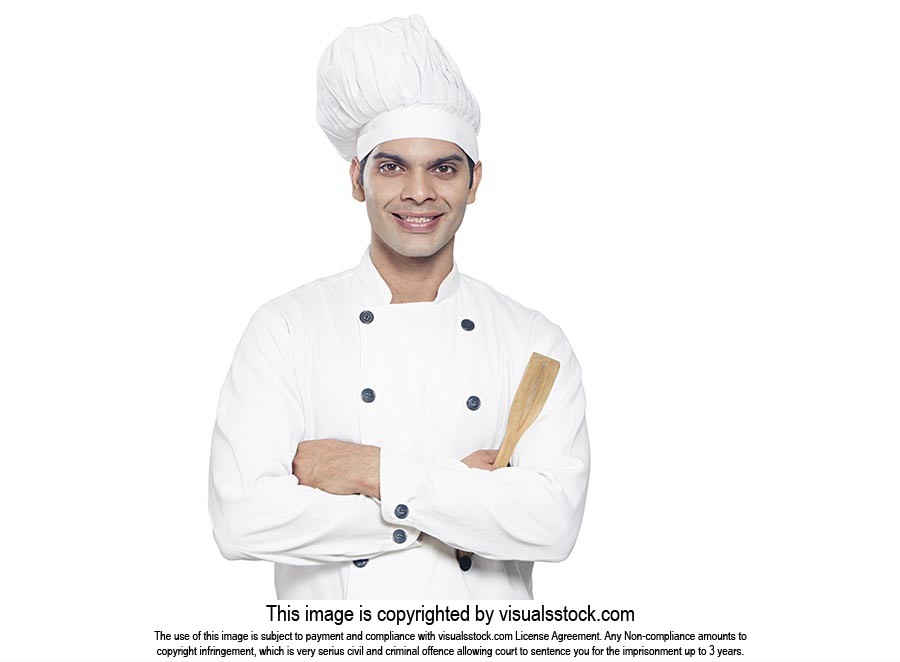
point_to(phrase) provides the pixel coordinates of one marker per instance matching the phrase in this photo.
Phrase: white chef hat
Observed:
(392, 80)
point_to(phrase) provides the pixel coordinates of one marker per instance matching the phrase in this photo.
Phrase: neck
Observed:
(411, 279)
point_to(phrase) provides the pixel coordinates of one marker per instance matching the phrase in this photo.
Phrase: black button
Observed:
(473, 403)
(360, 563)
(465, 562)
(366, 317)
(399, 536)
(368, 395)
(401, 511)
(468, 325)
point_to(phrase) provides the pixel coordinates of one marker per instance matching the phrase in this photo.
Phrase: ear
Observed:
(357, 191)
(476, 180)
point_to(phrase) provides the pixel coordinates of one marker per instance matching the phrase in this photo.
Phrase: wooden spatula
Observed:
(532, 393)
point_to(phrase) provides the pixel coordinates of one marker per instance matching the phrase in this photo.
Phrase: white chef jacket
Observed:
(427, 382)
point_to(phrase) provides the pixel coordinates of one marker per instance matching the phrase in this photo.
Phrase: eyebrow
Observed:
(432, 164)
(445, 159)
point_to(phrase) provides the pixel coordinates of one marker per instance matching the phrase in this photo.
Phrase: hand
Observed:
(338, 467)
(481, 459)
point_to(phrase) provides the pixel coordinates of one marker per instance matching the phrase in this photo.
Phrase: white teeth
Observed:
(421, 220)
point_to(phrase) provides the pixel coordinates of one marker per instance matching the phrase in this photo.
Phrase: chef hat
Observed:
(392, 80)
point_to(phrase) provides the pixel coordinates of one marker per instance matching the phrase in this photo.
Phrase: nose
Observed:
(417, 187)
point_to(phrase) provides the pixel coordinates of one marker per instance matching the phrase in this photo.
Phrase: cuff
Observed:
(416, 491)
(398, 477)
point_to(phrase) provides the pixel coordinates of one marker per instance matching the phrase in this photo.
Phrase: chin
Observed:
(423, 246)
(417, 251)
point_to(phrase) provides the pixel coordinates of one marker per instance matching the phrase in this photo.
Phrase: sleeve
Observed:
(258, 508)
(530, 511)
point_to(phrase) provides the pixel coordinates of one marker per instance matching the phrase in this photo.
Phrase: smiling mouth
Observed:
(417, 223)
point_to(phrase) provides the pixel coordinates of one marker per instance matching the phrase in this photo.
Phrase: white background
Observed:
(703, 195)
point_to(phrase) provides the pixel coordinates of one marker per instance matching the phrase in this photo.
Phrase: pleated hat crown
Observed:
(393, 80)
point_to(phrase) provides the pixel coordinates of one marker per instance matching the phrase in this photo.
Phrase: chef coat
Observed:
(428, 383)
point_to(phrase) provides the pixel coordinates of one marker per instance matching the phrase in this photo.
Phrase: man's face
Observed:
(416, 191)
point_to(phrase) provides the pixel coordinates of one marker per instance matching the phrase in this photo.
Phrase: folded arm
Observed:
(258, 508)
(530, 511)
(273, 499)
(341, 467)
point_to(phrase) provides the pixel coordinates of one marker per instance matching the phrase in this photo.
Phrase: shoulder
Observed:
(506, 310)
(311, 301)
(521, 330)
(315, 293)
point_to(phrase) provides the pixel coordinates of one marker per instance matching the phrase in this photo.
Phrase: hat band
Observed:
(417, 122)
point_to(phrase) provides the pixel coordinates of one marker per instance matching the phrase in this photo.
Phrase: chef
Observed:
(358, 423)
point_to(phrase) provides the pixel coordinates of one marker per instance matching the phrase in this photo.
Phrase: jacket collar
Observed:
(377, 292)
